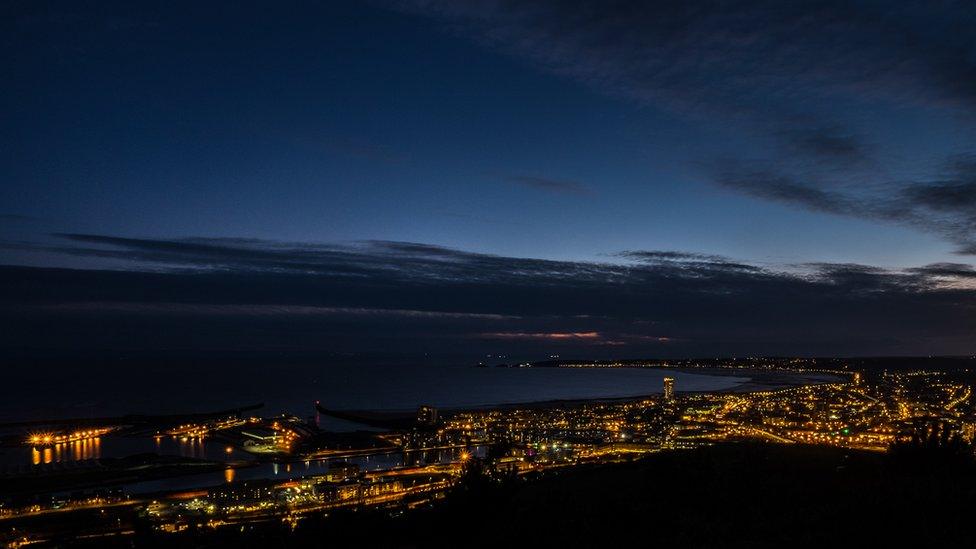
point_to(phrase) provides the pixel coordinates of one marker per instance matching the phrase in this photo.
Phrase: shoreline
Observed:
(774, 380)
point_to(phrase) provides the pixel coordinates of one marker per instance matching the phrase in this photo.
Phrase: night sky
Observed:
(591, 179)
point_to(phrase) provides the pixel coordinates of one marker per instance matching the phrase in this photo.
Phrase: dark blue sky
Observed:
(791, 143)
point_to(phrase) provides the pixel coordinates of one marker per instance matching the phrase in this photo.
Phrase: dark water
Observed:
(164, 389)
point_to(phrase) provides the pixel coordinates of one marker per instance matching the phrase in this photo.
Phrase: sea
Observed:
(33, 393)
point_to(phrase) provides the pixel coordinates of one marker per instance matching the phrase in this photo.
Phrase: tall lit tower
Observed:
(669, 389)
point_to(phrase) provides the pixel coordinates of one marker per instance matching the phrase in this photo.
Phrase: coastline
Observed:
(756, 380)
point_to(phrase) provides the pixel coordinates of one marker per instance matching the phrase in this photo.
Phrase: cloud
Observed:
(584, 339)
(768, 184)
(268, 296)
(234, 310)
(559, 186)
(948, 270)
(944, 204)
(729, 56)
(556, 336)
(801, 87)
(954, 193)
(825, 144)
(675, 259)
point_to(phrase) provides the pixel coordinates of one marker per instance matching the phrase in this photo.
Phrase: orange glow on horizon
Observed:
(543, 335)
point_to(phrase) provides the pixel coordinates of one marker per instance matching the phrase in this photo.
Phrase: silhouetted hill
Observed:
(734, 495)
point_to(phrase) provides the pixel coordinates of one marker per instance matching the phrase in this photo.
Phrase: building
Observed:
(260, 435)
(669, 389)
(340, 471)
(427, 415)
(244, 493)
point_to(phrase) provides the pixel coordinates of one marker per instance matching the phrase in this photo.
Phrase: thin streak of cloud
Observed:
(259, 310)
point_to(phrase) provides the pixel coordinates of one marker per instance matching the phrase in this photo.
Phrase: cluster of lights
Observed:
(54, 438)
(856, 414)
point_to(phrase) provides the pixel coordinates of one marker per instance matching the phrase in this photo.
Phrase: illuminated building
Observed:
(427, 415)
(669, 389)
(340, 471)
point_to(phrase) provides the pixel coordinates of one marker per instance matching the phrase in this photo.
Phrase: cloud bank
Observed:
(403, 297)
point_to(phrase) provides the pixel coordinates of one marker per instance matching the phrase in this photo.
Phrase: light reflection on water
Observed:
(77, 450)
(111, 447)
(122, 447)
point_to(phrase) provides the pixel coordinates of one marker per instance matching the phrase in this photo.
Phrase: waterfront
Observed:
(76, 394)
(246, 466)
(525, 387)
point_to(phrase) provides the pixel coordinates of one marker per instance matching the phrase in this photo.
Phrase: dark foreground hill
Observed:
(734, 495)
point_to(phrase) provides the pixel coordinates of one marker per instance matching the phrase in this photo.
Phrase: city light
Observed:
(820, 406)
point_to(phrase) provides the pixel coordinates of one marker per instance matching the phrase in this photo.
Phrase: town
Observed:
(406, 462)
